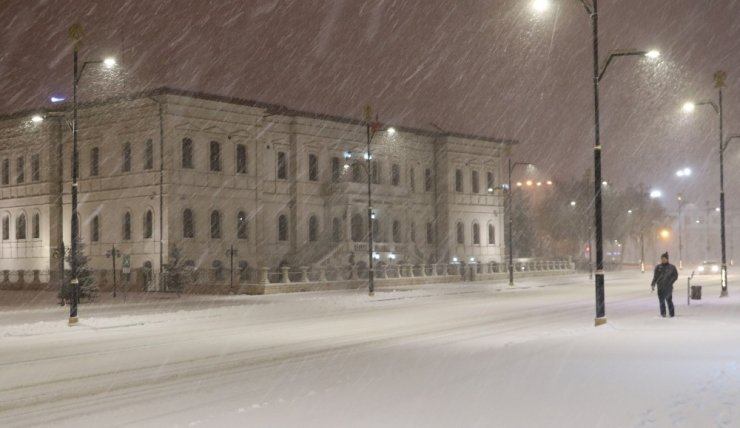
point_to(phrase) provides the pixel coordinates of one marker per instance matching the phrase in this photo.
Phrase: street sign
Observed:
(126, 267)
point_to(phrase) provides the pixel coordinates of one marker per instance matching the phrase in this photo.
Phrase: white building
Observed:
(207, 174)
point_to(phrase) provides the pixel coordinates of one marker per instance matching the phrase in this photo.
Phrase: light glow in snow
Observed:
(652, 54)
(541, 5)
(37, 118)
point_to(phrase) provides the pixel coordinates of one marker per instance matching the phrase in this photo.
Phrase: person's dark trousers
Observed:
(665, 297)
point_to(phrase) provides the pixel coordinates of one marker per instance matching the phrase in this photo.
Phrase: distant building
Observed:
(205, 173)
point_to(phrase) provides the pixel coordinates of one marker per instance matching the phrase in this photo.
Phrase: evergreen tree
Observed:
(177, 275)
(88, 289)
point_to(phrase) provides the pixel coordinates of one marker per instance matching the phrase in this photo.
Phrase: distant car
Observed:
(707, 268)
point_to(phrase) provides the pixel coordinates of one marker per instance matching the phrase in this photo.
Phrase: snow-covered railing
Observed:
(294, 278)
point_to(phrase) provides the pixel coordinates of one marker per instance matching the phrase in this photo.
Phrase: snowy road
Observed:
(477, 355)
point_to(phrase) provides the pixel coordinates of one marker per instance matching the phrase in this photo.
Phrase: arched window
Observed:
(336, 229)
(396, 231)
(358, 228)
(20, 227)
(95, 229)
(148, 224)
(35, 226)
(460, 233)
(412, 180)
(149, 154)
(242, 225)
(313, 229)
(215, 225)
(491, 234)
(187, 153)
(126, 158)
(282, 228)
(126, 232)
(336, 171)
(476, 234)
(215, 156)
(188, 224)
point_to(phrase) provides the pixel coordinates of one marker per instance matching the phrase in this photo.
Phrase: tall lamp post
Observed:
(511, 236)
(679, 198)
(719, 83)
(75, 33)
(598, 74)
(681, 173)
(371, 126)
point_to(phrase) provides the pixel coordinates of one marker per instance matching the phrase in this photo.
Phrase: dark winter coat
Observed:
(665, 275)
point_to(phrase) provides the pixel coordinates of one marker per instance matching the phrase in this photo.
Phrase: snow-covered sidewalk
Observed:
(478, 355)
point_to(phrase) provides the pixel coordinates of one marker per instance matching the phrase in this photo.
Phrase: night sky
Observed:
(486, 67)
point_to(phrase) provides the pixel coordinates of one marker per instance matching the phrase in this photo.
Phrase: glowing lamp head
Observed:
(541, 5)
(391, 130)
(109, 62)
(37, 118)
(652, 54)
(689, 107)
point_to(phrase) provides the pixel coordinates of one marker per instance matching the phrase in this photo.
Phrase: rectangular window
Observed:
(412, 180)
(187, 153)
(149, 154)
(430, 233)
(6, 171)
(35, 228)
(94, 161)
(395, 175)
(215, 156)
(458, 180)
(376, 172)
(6, 228)
(336, 172)
(282, 166)
(475, 181)
(490, 181)
(20, 167)
(241, 159)
(126, 158)
(35, 167)
(428, 180)
(313, 168)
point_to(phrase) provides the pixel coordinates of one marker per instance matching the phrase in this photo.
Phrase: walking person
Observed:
(664, 277)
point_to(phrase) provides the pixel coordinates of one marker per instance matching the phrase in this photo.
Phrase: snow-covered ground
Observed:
(473, 355)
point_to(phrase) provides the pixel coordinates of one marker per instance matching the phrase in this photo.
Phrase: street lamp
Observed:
(511, 240)
(75, 33)
(113, 253)
(372, 126)
(230, 253)
(598, 74)
(719, 83)
(680, 231)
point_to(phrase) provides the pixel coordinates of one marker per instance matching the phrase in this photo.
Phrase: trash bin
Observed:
(696, 292)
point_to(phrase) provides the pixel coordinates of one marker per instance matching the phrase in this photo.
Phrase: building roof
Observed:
(270, 108)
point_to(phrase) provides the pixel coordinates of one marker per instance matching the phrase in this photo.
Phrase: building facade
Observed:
(235, 181)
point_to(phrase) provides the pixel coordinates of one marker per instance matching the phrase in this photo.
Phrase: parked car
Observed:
(708, 268)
